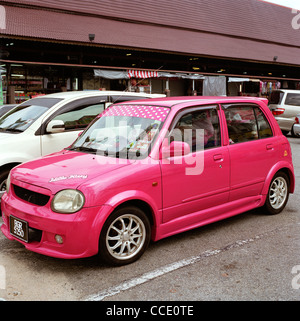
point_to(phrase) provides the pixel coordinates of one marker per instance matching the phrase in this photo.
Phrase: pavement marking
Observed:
(146, 277)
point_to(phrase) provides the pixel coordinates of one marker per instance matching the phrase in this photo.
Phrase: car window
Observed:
(123, 131)
(121, 98)
(23, 116)
(276, 97)
(246, 123)
(81, 116)
(264, 128)
(292, 99)
(200, 129)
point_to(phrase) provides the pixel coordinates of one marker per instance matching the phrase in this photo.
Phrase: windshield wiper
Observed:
(13, 130)
(83, 149)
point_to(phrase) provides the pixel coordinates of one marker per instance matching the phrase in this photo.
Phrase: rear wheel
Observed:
(294, 134)
(285, 132)
(278, 193)
(125, 236)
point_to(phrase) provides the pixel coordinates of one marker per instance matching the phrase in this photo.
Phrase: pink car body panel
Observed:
(235, 179)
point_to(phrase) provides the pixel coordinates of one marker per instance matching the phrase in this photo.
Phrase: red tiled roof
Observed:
(243, 29)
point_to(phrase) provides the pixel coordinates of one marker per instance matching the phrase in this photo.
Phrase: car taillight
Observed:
(296, 120)
(278, 111)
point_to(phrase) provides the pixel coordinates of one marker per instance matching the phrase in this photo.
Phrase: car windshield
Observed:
(21, 117)
(123, 131)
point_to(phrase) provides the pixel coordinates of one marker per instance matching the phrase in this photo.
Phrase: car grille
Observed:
(30, 196)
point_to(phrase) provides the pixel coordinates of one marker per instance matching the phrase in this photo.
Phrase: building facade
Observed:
(233, 47)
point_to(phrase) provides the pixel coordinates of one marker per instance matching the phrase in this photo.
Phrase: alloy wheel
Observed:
(278, 192)
(125, 236)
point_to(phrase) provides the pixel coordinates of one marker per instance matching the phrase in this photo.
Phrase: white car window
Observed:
(292, 99)
(81, 116)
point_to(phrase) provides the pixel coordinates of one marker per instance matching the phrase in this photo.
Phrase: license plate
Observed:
(18, 228)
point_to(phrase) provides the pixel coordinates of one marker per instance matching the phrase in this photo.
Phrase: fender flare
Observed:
(118, 200)
(14, 159)
(287, 168)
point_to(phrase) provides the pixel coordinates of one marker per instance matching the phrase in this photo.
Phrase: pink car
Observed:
(147, 170)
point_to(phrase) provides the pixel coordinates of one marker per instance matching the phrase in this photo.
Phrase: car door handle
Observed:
(218, 157)
(269, 146)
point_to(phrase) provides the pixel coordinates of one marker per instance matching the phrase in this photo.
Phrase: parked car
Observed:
(147, 170)
(49, 123)
(5, 108)
(296, 127)
(285, 105)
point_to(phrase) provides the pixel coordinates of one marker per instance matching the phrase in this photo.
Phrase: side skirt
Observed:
(204, 217)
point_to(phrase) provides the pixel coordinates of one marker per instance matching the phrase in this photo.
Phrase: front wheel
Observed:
(124, 236)
(3, 180)
(278, 193)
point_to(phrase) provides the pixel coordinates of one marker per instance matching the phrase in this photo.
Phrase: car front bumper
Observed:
(79, 232)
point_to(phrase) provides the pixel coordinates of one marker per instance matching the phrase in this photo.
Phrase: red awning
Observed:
(142, 74)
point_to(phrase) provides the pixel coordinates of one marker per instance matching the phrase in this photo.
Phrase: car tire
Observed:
(3, 178)
(285, 132)
(125, 236)
(278, 194)
(294, 134)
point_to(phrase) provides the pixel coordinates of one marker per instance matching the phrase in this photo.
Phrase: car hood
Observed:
(4, 137)
(66, 169)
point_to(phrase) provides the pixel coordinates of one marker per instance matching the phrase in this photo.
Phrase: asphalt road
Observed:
(250, 257)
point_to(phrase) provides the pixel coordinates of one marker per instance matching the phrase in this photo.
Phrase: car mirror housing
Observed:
(55, 126)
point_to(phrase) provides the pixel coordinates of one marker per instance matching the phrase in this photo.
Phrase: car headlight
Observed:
(8, 183)
(67, 201)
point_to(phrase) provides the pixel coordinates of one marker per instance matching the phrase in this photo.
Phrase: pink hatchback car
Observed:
(147, 170)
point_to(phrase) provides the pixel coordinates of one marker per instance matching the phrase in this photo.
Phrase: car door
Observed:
(252, 149)
(200, 179)
(76, 117)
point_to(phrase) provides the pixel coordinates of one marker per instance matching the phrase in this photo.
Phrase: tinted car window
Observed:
(276, 97)
(81, 116)
(120, 98)
(292, 99)
(4, 109)
(199, 129)
(246, 123)
(264, 128)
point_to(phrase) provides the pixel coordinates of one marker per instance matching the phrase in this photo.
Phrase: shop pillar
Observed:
(167, 91)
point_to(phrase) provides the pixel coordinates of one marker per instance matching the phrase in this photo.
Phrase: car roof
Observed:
(90, 93)
(201, 100)
(287, 91)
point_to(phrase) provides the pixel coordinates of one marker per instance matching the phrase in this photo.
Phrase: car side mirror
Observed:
(55, 126)
(175, 149)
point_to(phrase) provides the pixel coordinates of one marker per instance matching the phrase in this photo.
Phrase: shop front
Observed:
(21, 81)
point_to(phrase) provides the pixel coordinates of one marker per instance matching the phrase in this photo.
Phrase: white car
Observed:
(50, 123)
(285, 105)
(296, 127)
